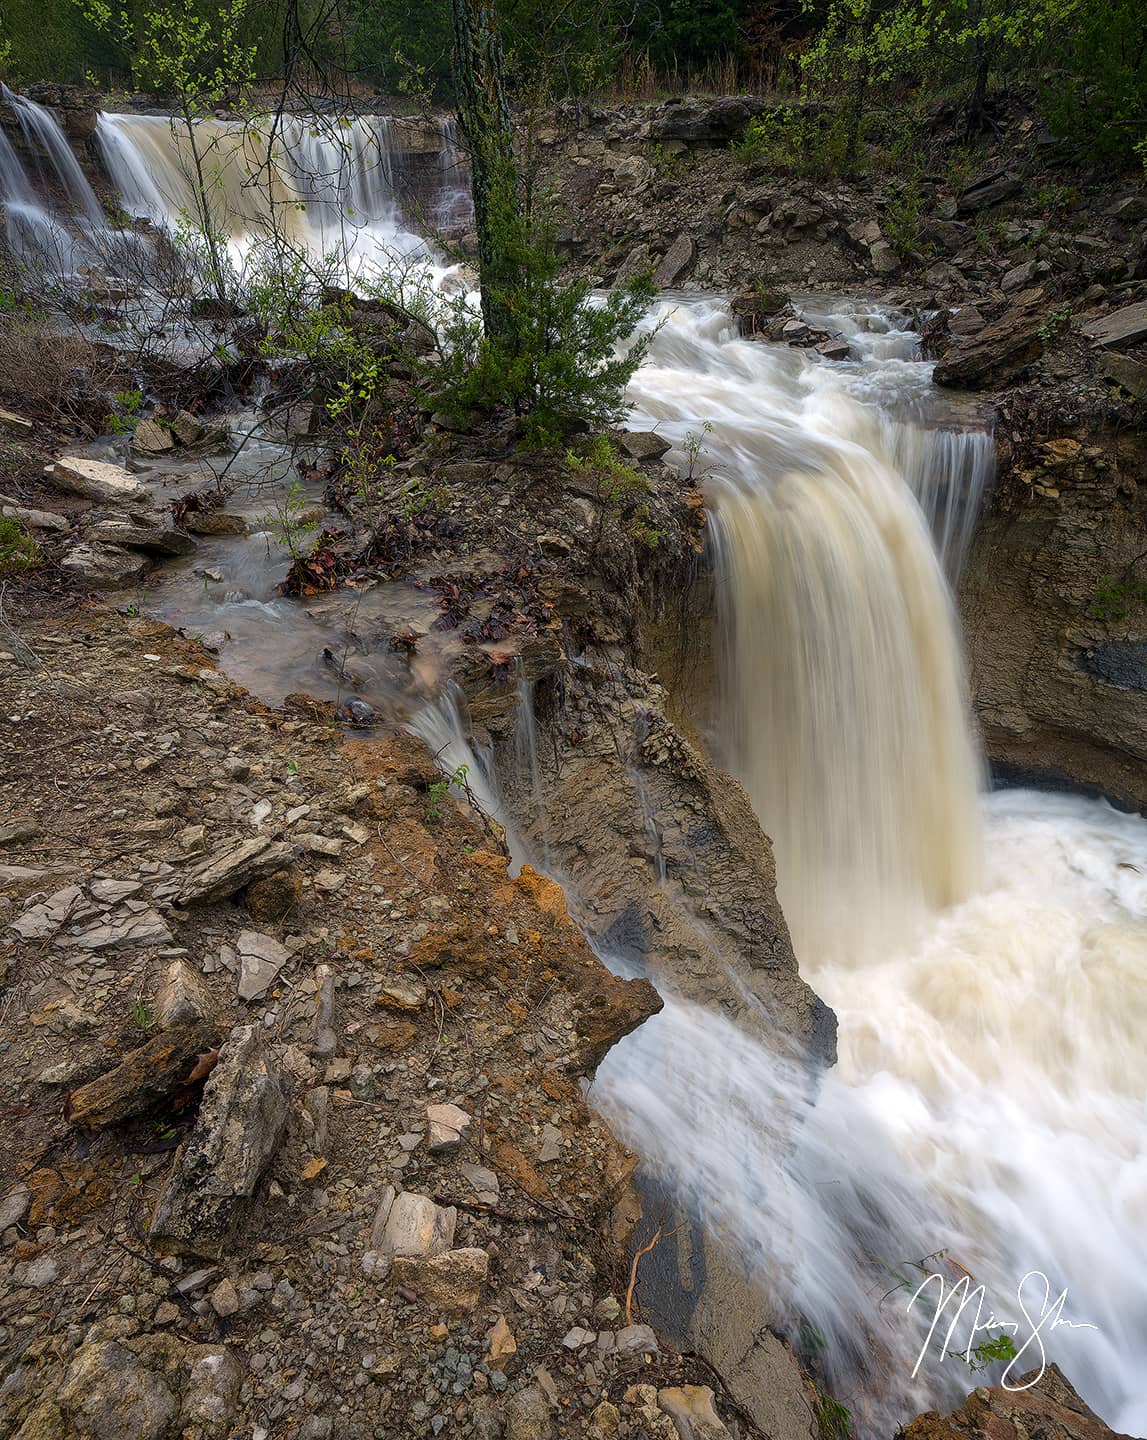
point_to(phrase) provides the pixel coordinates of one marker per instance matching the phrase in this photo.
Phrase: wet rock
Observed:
(212, 1389)
(691, 1409)
(231, 869)
(528, 1416)
(152, 438)
(261, 957)
(678, 259)
(1119, 330)
(214, 522)
(145, 1076)
(408, 1224)
(447, 1126)
(108, 1394)
(1130, 374)
(241, 1123)
(97, 480)
(155, 536)
(1049, 1407)
(182, 997)
(104, 567)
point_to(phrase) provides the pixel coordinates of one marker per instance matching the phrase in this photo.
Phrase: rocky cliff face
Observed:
(1054, 610)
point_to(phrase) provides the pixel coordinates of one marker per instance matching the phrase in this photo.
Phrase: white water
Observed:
(987, 960)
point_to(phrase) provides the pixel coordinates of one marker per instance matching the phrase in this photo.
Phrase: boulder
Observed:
(408, 1224)
(241, 1123)
(996, 353)
(989, 191)
(643, 444)
(449, 1284)
(104, 567)
(232, 868)
(1120, 329)
(154, 535)
(214, 522)
(97, 480)
(712, 121)
(678, 259)
(108, 1394)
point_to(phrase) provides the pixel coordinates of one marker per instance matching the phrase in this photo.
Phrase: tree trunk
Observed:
(479, 72)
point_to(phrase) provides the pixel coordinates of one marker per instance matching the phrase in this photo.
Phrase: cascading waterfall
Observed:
(324, 184)
(43, 134)
(989, 982)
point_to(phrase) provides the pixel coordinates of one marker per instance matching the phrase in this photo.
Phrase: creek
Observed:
(985, 952)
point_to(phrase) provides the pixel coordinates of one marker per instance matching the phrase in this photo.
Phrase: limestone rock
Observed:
(996, 353)
(261, 957)
(120, 932)
(214, 522)
(643, 444)
(241, 1123)
(152, 438)
(46, 917)
(104, 567)
(637, 1340)
(528, 1416)
(108, 1394)
(500, 1344)
(447, 1125)
(691, 1409)
(232, 868)
(97, 480)
(408, 1224)
(212, 1389)
(182, 998)
(36, 519)
(450, 1283)
(154, 534)
(678, 258)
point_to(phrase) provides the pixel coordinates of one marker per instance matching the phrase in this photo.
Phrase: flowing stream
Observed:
(985, 954)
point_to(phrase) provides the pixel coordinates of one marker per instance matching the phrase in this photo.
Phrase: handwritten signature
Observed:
(1050, 1317)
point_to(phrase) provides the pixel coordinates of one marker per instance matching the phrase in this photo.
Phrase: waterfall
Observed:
(323, 183)
(34, 233)
(42, 133)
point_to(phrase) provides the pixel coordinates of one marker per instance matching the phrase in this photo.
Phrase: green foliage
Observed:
(790, 141)
(1095, 93)
(1117, 596)
(18, 551)
(619, 487)
(1057, 322)
(903, 219)
(833, 1420)
(998, 1348)
(126, 416)
(557, 359)
(439, 789)
(290, 523)
(142, 1016)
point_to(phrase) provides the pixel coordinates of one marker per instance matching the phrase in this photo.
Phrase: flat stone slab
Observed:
(1119, 330)
(97, 480)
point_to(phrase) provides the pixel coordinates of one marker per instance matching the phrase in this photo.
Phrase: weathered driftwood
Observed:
(160, 1067)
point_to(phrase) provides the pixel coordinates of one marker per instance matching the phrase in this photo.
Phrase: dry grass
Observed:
(63, 380)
